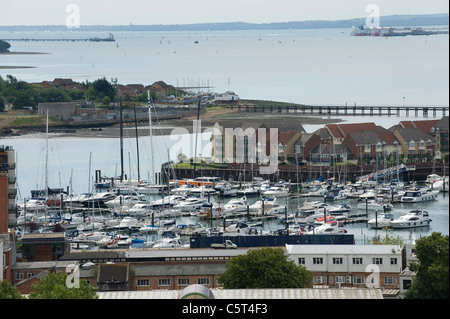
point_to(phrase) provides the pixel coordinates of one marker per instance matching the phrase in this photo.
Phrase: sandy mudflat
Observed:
(8, 67)
(21, 53)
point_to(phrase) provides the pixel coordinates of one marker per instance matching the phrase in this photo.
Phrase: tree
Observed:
(9, 291)
(53, 286)
(431, 280)
(103, 88)
(4, 46)
(264, 268)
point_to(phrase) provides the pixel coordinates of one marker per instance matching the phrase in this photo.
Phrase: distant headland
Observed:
(385, 21)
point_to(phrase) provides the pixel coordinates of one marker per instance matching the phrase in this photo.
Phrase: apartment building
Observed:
(357, 266)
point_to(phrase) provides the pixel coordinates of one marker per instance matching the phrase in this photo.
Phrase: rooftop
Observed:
(256, 294)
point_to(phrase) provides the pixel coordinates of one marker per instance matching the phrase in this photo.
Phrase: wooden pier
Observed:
(361, 110)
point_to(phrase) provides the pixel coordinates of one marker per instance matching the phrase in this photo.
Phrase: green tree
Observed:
(103, 88)
(9, 291)
(4, 46)
(264, 268)
(431, 280)
(2, 104)
(106, 101)
(53, 286)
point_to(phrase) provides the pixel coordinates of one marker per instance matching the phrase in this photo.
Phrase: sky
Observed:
(149, 12)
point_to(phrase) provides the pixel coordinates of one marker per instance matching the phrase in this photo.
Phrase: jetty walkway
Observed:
(371, 110)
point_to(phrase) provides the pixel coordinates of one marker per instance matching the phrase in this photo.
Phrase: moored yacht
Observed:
(415, 218)
(419, 194)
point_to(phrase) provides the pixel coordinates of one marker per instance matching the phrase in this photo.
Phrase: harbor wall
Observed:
(418, 172)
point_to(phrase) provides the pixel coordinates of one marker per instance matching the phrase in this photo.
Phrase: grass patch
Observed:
(28, 120)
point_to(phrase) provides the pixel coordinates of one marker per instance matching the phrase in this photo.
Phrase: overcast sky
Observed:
(147, 12)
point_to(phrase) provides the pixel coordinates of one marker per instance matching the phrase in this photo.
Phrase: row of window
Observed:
(388, 280)
(167, 282)
(340, 260)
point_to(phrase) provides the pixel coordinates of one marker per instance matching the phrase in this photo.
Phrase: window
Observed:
(358, 279)
(338, 260)
(183, 281)
(143, 282)
(377, 261)
(317, 260)
(366, 148)
(203, 281)
(340, 279)
(393, 261)
(19, 275)
(301, 260)
(164, 282)
(357, 260)
(317, 280)
(388, 280)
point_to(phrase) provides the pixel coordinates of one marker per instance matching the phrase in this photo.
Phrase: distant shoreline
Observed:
(21, 53)
(403, 20)
(10, 67)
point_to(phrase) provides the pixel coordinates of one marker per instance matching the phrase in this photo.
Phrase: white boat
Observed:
(170, 243)
(228, 189)
(166, 201)
(33, 205)
(341, 211)
(125, 200)
(382, 221)
(374, 204)
(268, 203)
(149, 189)
(183, 189)
(328, 228)
(317, 192)
(99, 199)
(76, 200)
(203, 190)
(190, 204)
(248, 191)
(140, 209)
(419, 194)
(437, 182)
(236, 205)
(415, 218)
(442, 185)
(277, 190)
(128, 223)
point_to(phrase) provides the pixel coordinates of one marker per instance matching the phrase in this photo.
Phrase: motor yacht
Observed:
(415, 218)
(419, 194)
(329, 228)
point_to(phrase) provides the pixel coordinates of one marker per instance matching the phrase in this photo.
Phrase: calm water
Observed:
(304, 66)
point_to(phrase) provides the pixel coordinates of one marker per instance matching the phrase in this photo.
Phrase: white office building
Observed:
(357, 266)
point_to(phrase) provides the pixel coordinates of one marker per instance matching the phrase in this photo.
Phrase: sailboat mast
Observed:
(151, 137)
(46, 158)
(121, 142)
(137, 144)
